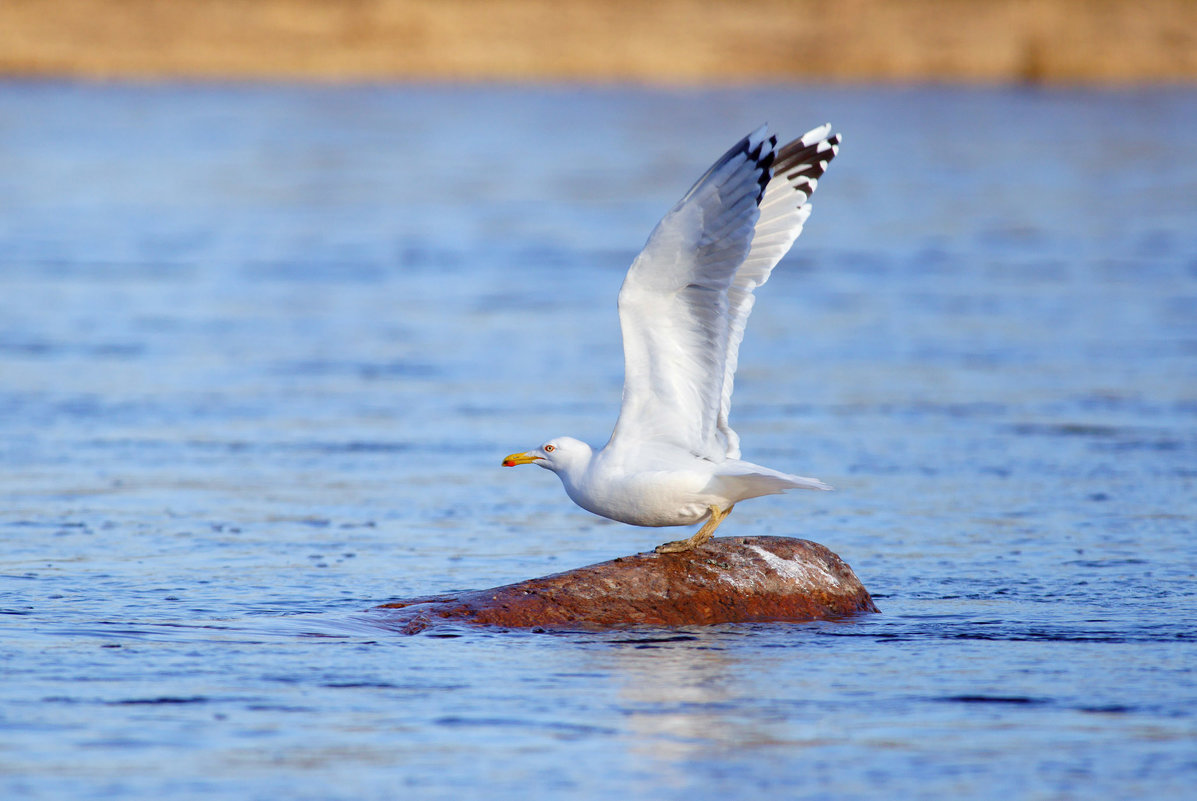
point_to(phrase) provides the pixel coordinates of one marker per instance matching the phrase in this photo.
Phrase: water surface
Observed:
(262, 348)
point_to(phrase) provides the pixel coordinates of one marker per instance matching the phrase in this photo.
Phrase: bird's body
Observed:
(673, 459)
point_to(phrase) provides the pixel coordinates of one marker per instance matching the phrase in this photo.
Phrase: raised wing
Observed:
(674, 306)
(783, 211)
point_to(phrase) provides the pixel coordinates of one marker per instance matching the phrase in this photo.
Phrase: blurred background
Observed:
(281, 281)
(675, 41)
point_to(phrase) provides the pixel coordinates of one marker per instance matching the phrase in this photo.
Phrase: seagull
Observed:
(673, 459)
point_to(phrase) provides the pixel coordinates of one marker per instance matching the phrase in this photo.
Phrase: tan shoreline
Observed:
(671, 41)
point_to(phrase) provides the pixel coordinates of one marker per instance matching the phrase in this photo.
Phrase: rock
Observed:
(727, 580)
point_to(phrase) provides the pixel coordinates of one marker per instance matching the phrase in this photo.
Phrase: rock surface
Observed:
(727, 580)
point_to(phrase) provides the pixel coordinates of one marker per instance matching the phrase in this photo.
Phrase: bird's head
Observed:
(561, 454)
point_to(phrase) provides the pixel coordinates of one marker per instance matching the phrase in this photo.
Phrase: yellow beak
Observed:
(519, 458)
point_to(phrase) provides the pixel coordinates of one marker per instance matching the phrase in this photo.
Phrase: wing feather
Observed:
(686, 298)
(673, 308)
(784, 209)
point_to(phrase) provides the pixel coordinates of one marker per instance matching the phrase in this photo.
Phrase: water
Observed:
(262, 348)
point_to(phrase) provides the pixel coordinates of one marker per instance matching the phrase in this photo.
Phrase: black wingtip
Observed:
(764, 161)
(803, 163)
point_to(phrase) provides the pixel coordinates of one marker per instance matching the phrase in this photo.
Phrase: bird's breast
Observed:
(644, 498)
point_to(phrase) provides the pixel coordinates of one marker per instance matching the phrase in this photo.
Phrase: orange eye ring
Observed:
(550, 448)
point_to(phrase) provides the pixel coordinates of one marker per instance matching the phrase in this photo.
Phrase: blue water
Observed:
(262, 348)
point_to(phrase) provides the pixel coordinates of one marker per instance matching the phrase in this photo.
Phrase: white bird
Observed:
(673, 460)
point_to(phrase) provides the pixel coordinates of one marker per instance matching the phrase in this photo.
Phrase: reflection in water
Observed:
(688, 697)
(671, 692)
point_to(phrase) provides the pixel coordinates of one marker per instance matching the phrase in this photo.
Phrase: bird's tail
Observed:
(744, 480)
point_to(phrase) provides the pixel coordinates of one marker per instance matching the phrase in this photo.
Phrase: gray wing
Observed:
(783, 211)
(674, 306)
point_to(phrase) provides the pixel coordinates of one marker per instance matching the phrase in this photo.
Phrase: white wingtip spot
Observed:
(814, 135)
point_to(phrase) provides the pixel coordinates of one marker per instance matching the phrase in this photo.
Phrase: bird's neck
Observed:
(573, 473)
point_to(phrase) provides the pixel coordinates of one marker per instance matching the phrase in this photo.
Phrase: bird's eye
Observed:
(550, 448)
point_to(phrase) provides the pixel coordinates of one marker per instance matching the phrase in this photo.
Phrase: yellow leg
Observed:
(702, 535)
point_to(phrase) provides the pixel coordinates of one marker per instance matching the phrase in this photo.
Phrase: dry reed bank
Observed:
(669, 41)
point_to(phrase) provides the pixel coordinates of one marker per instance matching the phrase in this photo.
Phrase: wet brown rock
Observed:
(728, 580)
